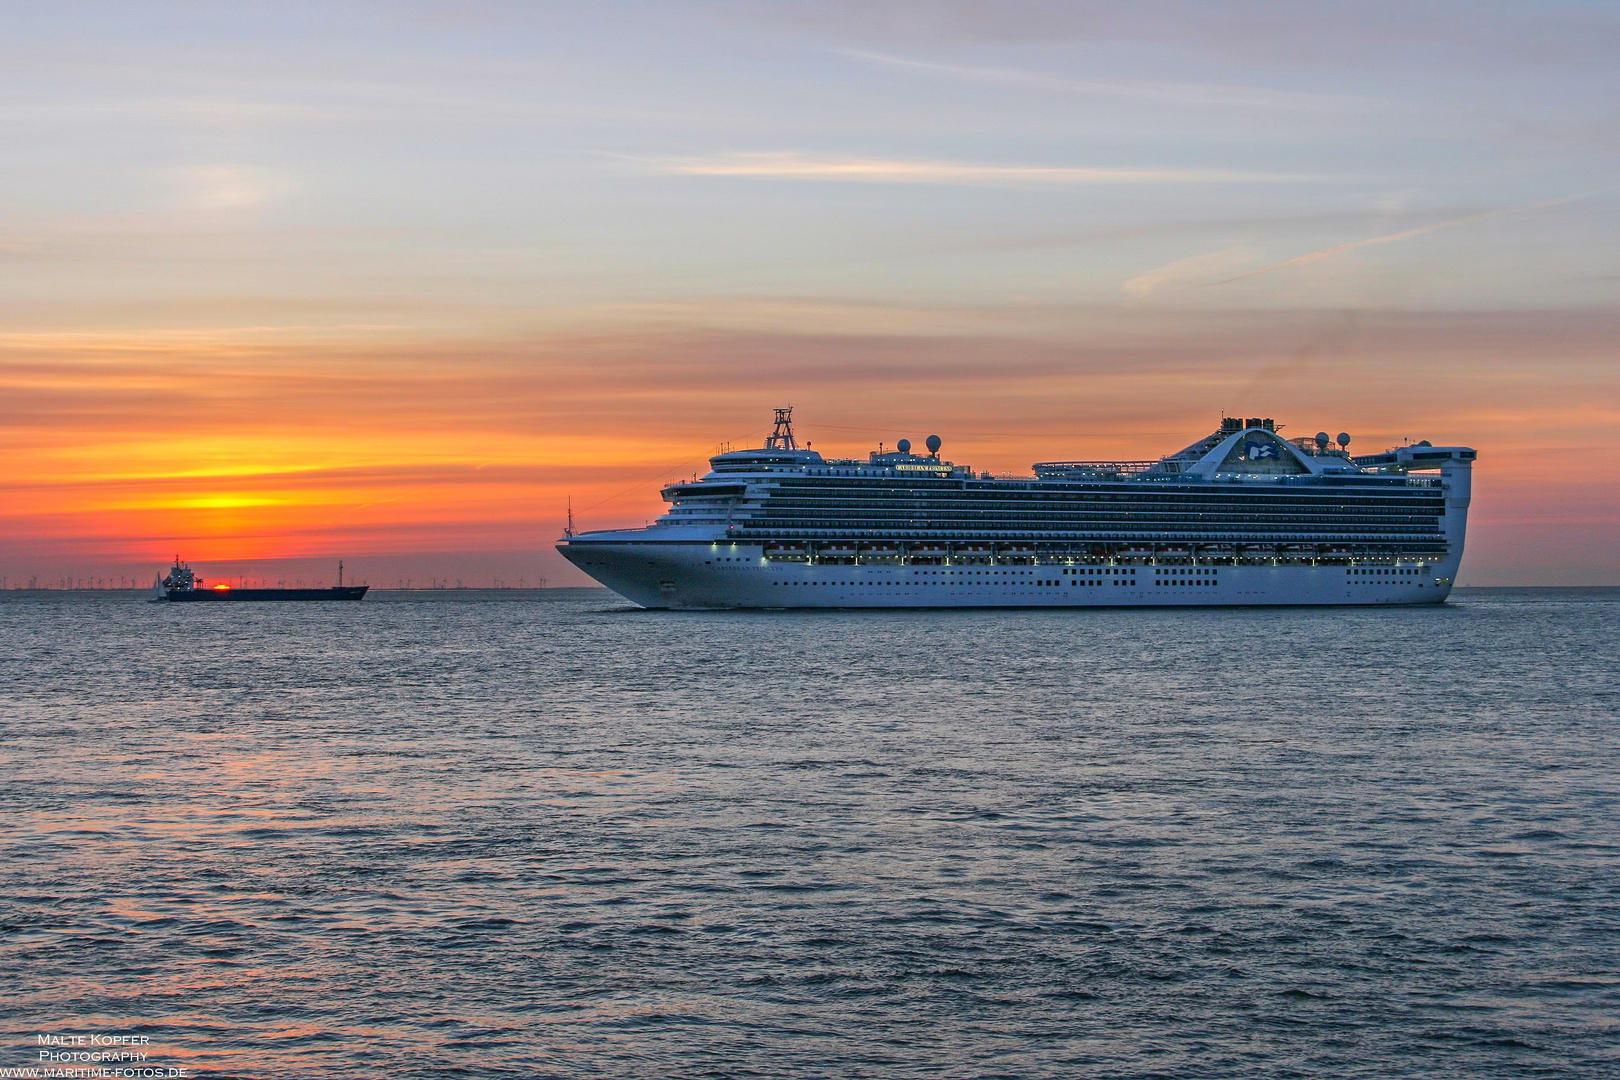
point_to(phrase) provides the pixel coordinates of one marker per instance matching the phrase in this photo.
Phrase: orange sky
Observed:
(407, 458)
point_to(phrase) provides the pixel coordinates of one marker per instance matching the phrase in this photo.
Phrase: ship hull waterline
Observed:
(690, 576)
(192, 596)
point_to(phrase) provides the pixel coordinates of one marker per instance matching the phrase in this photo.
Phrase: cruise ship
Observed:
(1242, 516)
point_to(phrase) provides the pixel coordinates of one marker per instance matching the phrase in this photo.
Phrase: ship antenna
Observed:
(340, 573)
(782, 437)
(568, 530)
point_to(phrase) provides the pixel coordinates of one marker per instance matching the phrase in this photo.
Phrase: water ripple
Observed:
(453, 834)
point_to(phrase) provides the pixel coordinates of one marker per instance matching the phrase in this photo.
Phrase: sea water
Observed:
(545, 834)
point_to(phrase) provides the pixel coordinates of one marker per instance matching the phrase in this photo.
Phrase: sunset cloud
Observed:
(1184, 270)
(788, 166)
(299, 449)
(1405, 234)
(1199, 95)
(232, 187)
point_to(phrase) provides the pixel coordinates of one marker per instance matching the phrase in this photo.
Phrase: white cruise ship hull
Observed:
(1240, 517)
(696, 576)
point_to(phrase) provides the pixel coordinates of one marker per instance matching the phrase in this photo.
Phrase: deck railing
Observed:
(1052, 470)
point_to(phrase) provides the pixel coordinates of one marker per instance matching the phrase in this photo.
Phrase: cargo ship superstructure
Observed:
(1242, 516)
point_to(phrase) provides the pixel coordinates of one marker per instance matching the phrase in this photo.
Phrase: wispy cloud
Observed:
(1183, 269)
(1178, 93)
(232, 187)
(787, 166)
(1406, 234)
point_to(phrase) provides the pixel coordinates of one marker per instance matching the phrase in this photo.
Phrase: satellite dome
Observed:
(934, 444)
(1322, 439)
(1344, 439)
(1425, 442)
(904, 446)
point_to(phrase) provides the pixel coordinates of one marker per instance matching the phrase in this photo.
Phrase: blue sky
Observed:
(485, 157)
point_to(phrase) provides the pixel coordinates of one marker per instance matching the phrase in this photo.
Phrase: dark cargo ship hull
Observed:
(342, 592)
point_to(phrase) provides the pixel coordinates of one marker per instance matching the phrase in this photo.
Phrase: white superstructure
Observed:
(1243, 516)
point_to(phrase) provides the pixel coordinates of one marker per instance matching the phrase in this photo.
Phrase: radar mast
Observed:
(782, 437)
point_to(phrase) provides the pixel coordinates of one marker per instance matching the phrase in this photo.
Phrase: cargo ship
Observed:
(183, 586)
(1241, 516)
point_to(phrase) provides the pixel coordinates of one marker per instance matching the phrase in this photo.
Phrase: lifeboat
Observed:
(1136, 551)
(973, 549)
(1338, 552)
(1258, 551)
(836, 551)
(1175, 551)
(1217, 551)
(930, 551)
(880, 549)
(781, 548)
(1296, 551)
(1018, 550)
